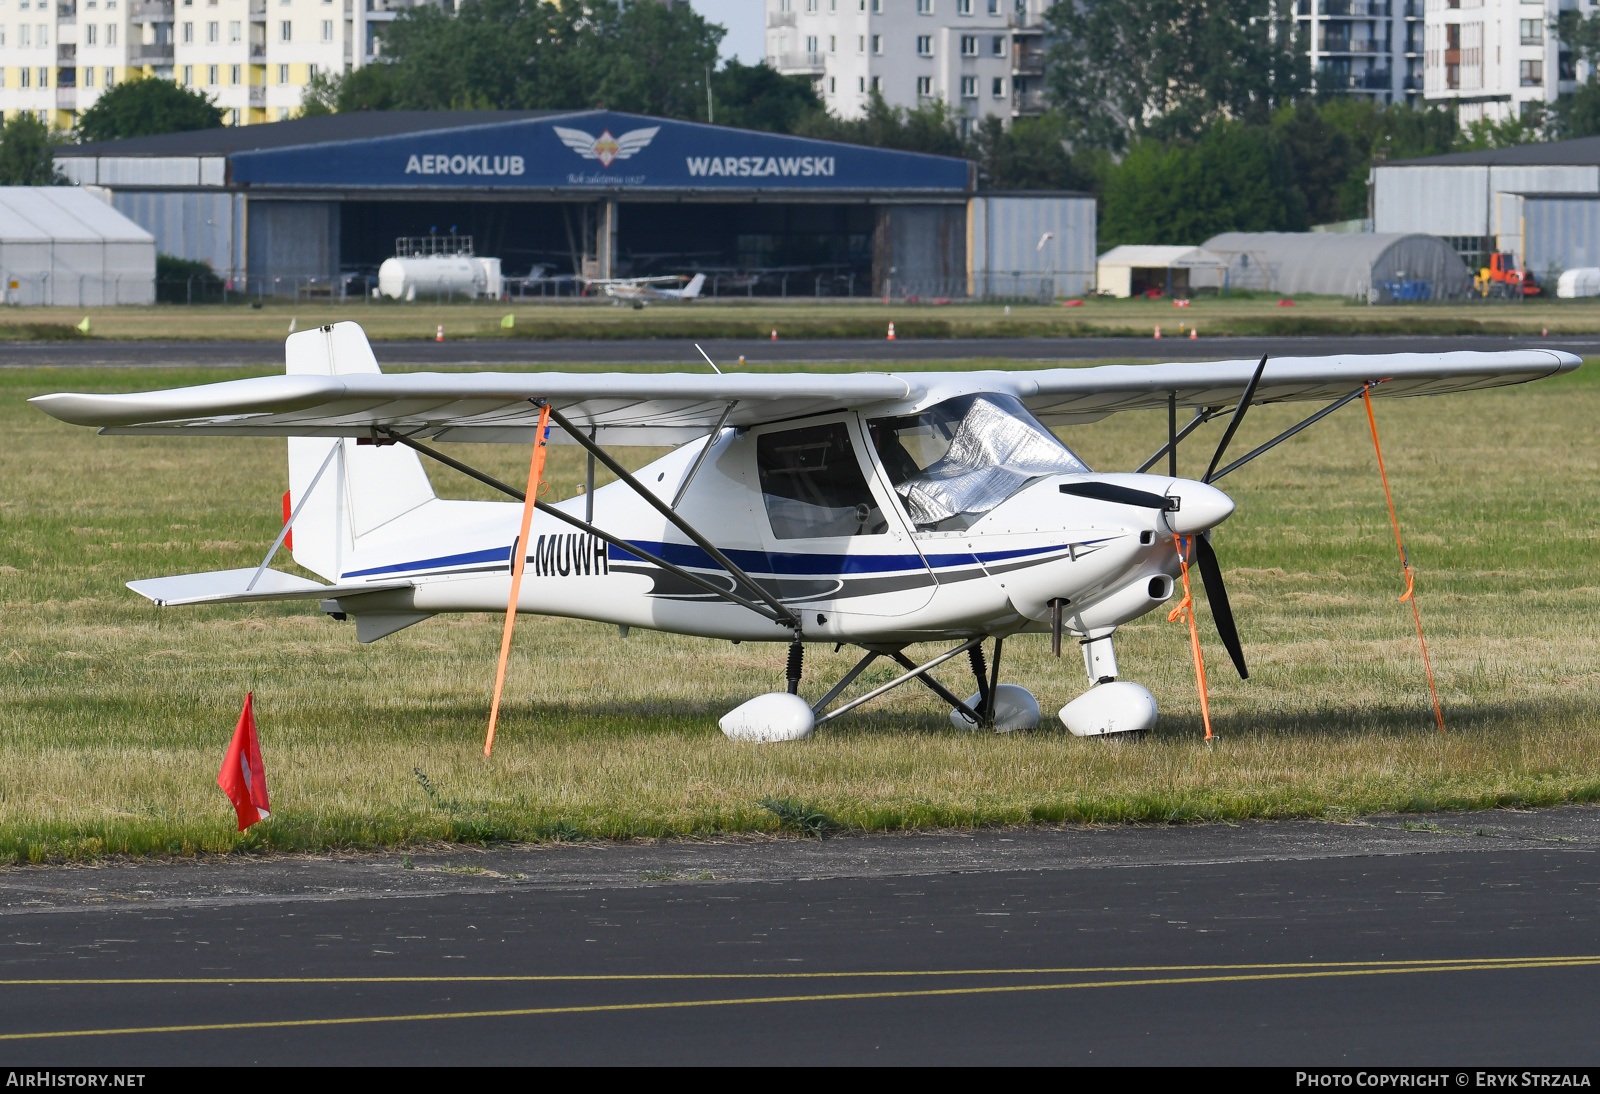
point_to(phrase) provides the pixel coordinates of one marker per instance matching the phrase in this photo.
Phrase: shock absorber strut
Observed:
(797, 661)
(981, 671)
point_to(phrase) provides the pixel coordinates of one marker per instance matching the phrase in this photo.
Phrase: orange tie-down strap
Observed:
(519, 558)
(1410, 595)
(1185, 610)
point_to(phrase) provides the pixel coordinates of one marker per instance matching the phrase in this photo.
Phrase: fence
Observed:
(73, 291)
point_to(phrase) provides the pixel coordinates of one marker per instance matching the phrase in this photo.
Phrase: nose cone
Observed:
(1200, 507)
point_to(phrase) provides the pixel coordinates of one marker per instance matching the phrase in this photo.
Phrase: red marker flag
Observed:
(243, 776)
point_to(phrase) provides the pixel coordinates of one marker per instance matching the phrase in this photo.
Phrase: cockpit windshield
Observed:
(954, 462)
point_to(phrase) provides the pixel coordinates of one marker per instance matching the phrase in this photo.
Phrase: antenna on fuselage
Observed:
(709, 361)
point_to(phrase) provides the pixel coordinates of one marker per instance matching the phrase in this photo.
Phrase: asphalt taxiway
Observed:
(1452, 939)
(762, 353)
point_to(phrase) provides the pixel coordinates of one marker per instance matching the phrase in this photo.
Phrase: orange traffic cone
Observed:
(774, 334)
(1158, 332)
(891, 332)
(438, 335)
(1193, 333)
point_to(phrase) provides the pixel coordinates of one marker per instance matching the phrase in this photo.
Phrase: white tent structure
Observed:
(63, 246)
(1378, 266)
(1134, 267)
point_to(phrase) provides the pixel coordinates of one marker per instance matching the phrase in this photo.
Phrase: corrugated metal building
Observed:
(1377, 266)
(316, 201)
(1459, 196)
(64, 246)
(1031, 244)
(1550, 232)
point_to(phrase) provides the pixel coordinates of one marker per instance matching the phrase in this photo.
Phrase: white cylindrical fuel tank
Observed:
(439, 275)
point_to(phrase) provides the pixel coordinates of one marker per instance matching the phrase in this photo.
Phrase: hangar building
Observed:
(64, 247)
(594, 193)
(1382, 267)
(1541, 202)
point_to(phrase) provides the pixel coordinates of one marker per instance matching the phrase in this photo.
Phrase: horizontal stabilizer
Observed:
(229, 587)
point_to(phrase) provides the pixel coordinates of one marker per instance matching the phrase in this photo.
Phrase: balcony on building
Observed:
(67, 13)
(258, 95)
(152, 11)
(790, 64)
(774, 18)
(1026, 100)
(151, 53)
(1027, 56)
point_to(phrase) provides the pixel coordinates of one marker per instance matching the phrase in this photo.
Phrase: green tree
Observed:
(1527, 128)
(758, 97)
(1032, 155)
(370, 87)
(530, 54)
(932, 127)
(27, 152)
(1329, 166)
(321, 95)
(143, 108)
(1124, 70)
(1577, 114)
(1236, 177)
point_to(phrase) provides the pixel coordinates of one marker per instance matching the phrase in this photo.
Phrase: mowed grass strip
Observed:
(114, 715)
(803, 318)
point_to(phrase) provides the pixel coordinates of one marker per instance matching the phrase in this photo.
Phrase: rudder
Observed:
(364, 486)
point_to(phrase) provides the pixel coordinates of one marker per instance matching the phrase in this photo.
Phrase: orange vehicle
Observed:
(1502, 278)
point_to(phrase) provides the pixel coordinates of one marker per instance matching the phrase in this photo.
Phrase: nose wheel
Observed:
(1111, 708)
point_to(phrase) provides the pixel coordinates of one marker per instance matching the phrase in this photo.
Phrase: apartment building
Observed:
(982, 57)
(252, 57)
(1366, 48)
(1493, 59)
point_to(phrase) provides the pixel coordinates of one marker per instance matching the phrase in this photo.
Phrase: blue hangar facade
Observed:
(591, 193)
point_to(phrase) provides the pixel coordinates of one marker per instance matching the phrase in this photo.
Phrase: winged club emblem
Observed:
(605, 147)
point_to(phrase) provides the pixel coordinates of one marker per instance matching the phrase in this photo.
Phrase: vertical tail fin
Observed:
(692, 289)
(365, 487)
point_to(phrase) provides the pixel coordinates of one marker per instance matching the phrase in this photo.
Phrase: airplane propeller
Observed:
(1206, 556)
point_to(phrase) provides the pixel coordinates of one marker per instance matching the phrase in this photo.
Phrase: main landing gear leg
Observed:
(1003, 708)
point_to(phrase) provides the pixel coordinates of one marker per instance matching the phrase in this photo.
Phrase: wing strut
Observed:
(1201, 417)
(584, 526)
(1292, 430)
(788, 618)
(694, 469)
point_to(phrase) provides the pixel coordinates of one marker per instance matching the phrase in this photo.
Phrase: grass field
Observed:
(114, 715)
(810, 318)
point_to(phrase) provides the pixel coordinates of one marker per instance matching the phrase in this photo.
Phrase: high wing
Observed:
(1064, 396)
(577, 140)
(663, 409)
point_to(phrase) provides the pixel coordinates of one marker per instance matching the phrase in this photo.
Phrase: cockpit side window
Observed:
(812, 484)
(957, 460)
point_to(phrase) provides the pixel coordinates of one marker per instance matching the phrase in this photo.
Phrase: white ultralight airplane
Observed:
(871, 509)
(644, 290)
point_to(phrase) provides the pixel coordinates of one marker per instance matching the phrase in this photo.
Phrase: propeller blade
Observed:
(1123, 495)
(1238, 416)
(1217, 596)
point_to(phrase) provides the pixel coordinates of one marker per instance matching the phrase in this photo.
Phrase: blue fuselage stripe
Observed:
(754, 562)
